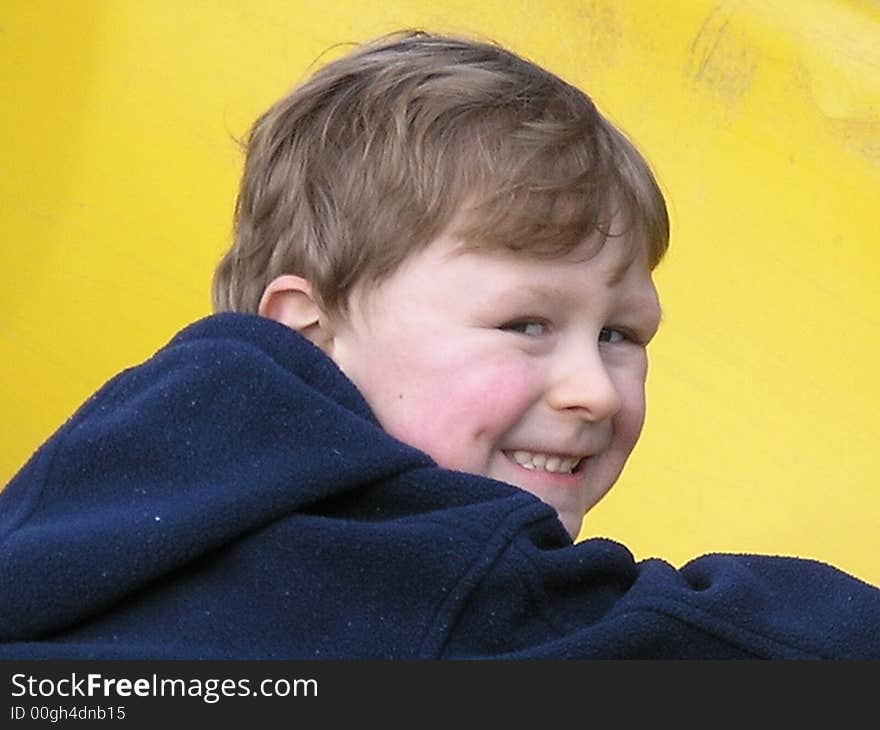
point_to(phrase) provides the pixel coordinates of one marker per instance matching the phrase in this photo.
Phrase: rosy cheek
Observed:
(461, 420)
(500, 393)
(460, 428)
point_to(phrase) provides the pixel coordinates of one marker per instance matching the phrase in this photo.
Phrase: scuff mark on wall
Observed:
(721, 60)
(844, 90)
(601, 19)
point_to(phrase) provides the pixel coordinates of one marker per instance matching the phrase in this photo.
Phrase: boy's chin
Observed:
(570, 515)
(571, 523)
(565, 493)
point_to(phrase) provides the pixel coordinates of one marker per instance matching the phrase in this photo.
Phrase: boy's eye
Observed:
(528, 327)
(611, 335)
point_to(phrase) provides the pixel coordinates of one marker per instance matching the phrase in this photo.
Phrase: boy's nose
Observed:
(585, 388)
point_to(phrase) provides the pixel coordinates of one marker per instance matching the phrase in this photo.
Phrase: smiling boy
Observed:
(428, 364)
(524, 369)
(495, 236)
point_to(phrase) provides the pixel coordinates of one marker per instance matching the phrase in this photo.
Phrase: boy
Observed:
(429, 364)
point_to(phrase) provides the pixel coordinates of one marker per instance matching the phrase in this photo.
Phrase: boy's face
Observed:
(523, 369)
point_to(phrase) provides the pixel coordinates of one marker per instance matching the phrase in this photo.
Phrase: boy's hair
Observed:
(389, 146)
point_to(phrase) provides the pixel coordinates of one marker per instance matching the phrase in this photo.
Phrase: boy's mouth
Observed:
(553, 463)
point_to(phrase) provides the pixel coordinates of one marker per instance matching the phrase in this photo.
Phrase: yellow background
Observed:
(118, 171)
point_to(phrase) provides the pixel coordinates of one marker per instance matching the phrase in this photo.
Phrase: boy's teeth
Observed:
(545, 462)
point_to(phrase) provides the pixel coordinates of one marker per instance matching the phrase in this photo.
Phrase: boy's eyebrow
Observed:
(542, 291)
(649, 305)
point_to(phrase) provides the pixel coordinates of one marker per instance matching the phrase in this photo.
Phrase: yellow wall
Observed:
(118, 173)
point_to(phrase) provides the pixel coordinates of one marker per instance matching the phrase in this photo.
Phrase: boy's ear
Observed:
(288, 299)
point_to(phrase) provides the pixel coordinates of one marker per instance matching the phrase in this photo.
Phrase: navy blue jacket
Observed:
(234, 497)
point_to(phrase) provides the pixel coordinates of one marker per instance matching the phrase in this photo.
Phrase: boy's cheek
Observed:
(458, 417)
(482, 393)
(466, 425)
(498, 396)
(630, 419)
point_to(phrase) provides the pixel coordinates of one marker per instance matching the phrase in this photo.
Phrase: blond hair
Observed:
(381, 150)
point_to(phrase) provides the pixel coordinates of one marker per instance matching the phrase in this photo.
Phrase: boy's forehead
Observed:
(609, 262)
(611, 254)
(614, 251)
